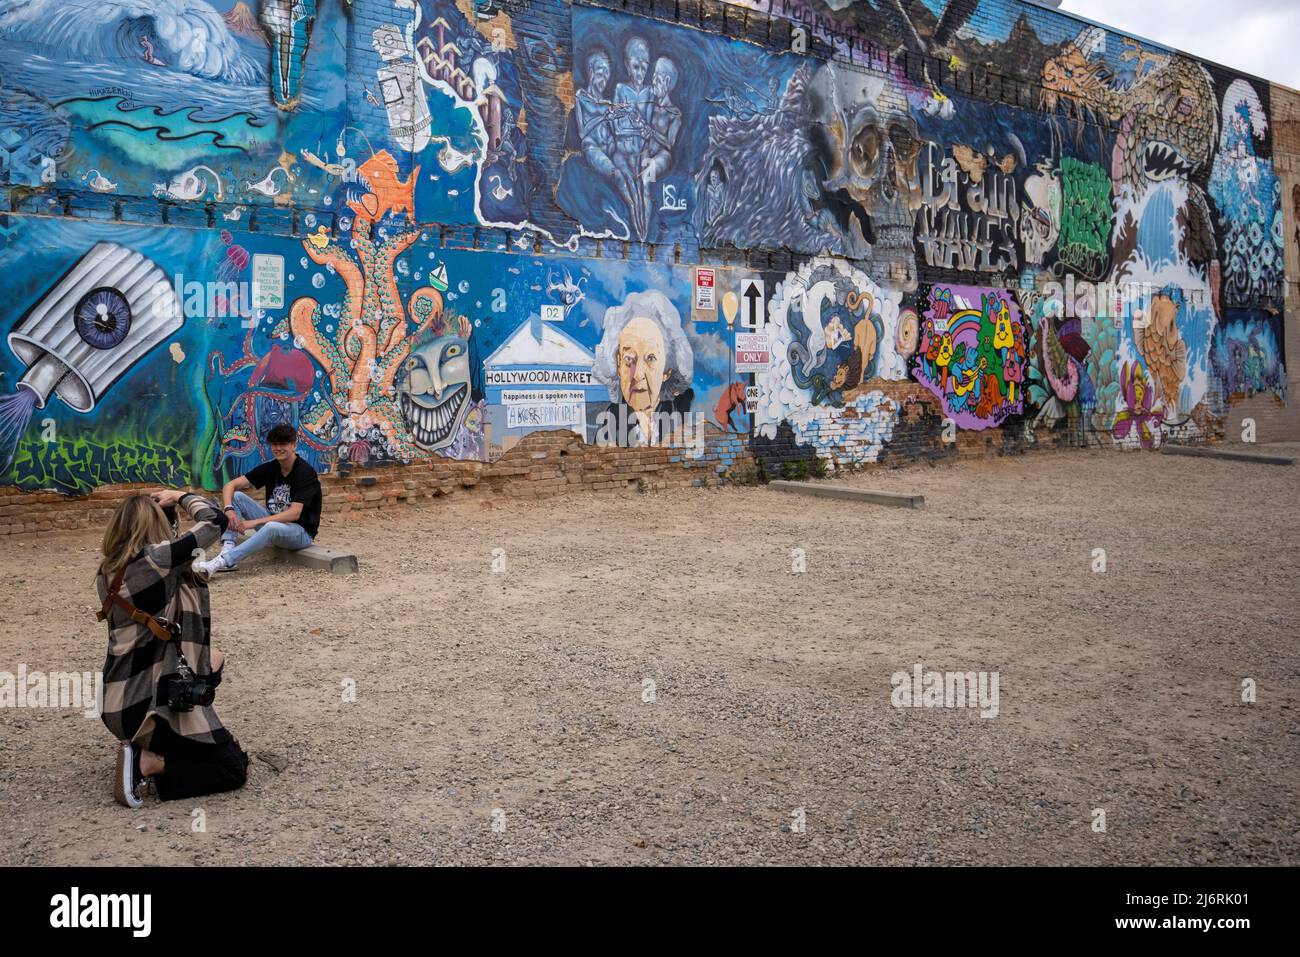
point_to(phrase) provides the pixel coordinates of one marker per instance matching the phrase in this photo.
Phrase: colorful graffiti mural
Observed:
(972, 354)
(1248, 195)
(835, 336)
(1247, 354)
(1139, 417)
(1085, 218)
(1059, 376)
(647, 99)
(611, 353)
(361, 351)
(182, 100)
(426, 228)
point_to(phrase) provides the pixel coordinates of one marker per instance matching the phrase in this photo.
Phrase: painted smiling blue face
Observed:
(434, 391)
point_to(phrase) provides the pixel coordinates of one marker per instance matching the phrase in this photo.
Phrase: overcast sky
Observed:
(1261, 37)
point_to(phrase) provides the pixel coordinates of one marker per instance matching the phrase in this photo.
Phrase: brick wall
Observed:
(542, 465)
(553, 463)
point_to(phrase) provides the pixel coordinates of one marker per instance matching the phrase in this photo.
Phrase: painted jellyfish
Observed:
(235, 261)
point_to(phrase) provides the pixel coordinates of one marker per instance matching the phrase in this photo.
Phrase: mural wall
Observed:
(425, 228)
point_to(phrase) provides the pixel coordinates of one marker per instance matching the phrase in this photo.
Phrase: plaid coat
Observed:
(159, 581)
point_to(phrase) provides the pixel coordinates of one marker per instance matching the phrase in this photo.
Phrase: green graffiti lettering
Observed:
(78, 466)
(1085, 216)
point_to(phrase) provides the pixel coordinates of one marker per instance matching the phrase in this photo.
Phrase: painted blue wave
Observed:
(188, 36)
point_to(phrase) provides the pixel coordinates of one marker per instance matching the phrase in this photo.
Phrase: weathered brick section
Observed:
(28, 512)
(918, 435)
(546, 464)
(543, 464)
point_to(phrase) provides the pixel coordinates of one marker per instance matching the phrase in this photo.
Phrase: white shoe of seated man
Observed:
(221, 563)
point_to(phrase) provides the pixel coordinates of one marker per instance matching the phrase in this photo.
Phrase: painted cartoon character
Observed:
(966, 387)
(941, 303)
(1140, 415)
(1004, 340)
(731, 403)
(990, 357)
(939, 355)
(1162, 347)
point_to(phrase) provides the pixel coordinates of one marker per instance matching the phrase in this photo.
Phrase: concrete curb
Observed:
(1203, 453)
(322, 559)
(890, 499)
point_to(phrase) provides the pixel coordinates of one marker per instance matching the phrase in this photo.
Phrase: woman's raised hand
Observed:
(167, 496)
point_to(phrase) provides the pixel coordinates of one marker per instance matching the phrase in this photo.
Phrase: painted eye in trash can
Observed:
(103, 317)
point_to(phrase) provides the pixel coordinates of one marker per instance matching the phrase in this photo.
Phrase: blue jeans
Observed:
(288, 535)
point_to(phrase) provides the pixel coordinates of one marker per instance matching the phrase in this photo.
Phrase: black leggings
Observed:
(195, 768)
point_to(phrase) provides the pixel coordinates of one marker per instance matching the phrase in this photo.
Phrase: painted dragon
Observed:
(1166, 118)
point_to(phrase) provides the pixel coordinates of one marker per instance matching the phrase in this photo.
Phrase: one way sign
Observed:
(753, 304)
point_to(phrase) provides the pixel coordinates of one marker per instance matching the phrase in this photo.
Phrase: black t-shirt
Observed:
(300, 485)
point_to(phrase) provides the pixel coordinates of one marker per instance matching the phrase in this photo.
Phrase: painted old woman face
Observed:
(641, 364)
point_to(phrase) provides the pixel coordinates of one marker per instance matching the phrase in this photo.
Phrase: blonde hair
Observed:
(137, 522)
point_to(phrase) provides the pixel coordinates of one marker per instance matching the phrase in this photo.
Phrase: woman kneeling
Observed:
(161, 673)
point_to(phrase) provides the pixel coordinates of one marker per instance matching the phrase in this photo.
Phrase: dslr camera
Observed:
(183, 690)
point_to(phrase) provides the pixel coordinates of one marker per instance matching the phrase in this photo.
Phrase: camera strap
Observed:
(155, 625)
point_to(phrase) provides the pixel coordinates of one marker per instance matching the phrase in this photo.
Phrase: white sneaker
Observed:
(127, 780)
(215, 565)
(226, 549)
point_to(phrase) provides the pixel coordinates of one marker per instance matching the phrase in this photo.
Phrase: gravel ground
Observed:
(517, 697)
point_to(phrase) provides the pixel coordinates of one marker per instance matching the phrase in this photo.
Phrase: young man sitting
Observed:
(292, 512)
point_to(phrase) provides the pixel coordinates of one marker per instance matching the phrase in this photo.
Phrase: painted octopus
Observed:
(284, 378)
(363, 350)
